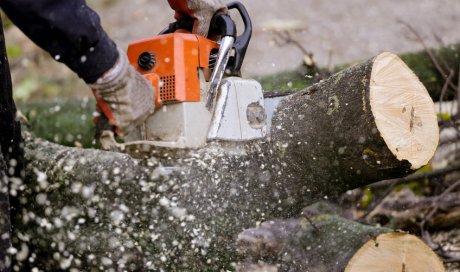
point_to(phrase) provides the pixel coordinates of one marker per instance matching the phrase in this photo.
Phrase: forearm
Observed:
(67, 29)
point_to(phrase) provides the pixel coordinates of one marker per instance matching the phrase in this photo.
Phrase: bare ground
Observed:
(335, 31)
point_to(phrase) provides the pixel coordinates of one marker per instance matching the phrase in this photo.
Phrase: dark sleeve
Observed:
(69, 30)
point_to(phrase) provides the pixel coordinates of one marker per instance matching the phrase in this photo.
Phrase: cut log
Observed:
(331, 243)
(181, 209)
(377, 111)
(394, 252)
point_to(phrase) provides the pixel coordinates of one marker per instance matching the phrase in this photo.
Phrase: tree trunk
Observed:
(181, 209)
(328, 243)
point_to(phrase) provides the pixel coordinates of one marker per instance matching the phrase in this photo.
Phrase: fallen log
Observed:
(331, 243)
(181, 209)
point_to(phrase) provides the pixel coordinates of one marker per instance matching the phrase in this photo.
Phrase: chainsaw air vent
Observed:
(167, 89)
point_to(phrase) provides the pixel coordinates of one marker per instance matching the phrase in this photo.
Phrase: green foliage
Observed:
(288, 81)
(444, 116)
(67, 122)
(13, 52)
(26, 88)
(36, 86)
(367, 197)
(419, 187)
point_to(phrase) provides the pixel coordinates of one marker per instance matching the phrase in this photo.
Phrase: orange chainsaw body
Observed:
(171, 62)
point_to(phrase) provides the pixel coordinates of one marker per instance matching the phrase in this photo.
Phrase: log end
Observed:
(404, 111)
(395, 252)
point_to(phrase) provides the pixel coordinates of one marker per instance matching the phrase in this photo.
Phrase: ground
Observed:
(336, 32)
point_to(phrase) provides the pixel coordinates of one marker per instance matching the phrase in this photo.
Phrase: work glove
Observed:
(201, 11)
(124, 97)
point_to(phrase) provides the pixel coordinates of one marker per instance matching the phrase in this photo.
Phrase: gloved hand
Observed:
(200, 10)
(124, 96)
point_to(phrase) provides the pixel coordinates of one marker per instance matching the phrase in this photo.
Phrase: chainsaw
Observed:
(200, 94)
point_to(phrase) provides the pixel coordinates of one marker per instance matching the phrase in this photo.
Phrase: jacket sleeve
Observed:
(67, 29)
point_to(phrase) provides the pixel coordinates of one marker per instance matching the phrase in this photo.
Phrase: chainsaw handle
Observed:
(242, 41)
(222, 25)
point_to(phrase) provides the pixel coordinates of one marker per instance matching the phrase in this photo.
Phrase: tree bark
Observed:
(181, 209)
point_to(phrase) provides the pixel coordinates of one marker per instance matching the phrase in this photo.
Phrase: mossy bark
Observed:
(65, 121)
(182, 209)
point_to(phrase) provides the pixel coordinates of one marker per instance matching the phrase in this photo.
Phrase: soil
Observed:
(336, 32)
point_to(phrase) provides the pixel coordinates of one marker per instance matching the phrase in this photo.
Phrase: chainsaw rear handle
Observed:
(223, 25)
(241, 42)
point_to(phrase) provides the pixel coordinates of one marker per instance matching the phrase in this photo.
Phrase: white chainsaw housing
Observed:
(239, 115)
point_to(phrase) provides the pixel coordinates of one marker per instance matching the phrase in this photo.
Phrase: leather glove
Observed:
(124, 96)
(200, 10)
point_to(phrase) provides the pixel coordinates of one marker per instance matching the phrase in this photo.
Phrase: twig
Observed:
(425, 234)
(444, 89)
(458, 94)
(429, 52)
(393, 182)
(286, 38)
(311, 222)
(436, 202)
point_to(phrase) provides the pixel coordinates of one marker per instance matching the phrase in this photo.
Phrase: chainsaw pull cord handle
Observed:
(241, 42)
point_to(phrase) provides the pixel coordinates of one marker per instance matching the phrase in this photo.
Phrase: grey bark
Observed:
(182, 209)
